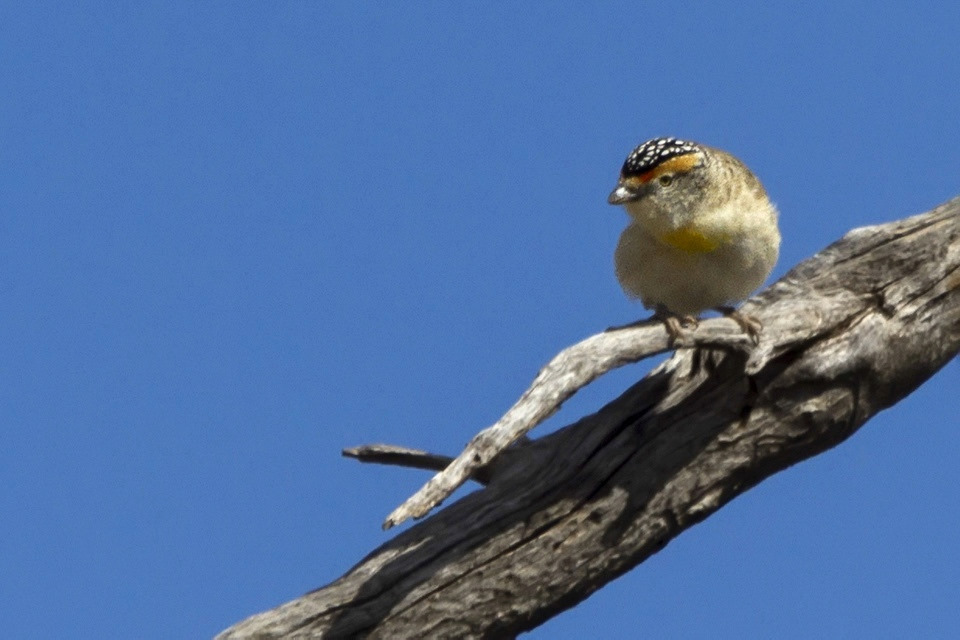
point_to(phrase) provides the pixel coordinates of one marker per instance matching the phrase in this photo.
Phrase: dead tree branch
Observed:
(406, 457)
(572, 369)
(847, 333)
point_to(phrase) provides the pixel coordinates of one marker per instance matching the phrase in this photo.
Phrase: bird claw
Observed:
(750, 325)
(675, 324)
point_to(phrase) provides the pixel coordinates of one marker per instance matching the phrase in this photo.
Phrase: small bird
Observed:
(702, 234)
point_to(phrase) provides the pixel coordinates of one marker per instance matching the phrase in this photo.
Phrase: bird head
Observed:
(661, 175)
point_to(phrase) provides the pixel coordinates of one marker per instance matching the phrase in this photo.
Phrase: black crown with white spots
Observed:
(654, 152)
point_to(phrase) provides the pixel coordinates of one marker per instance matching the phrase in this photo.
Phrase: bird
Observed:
(703, 233)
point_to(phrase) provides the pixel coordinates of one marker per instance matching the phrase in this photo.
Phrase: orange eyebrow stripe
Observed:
(678, 164)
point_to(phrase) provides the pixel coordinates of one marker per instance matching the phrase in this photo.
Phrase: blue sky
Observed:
(238, 237)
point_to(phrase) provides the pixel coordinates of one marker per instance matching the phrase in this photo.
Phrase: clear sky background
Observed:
(238, 237)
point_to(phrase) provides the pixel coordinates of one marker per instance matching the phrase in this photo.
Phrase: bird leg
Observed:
(674, 323)
(750, 325)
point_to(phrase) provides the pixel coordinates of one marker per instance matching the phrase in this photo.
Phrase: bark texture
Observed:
(847, 333)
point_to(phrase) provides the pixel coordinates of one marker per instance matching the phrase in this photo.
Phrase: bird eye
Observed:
(665, 180)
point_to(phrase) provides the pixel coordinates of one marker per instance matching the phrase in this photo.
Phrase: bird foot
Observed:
(750, 325)
(675, 324)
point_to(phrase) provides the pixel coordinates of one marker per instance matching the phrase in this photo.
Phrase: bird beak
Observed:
(622, 194)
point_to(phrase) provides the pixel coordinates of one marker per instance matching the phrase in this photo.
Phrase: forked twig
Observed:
(571, 370)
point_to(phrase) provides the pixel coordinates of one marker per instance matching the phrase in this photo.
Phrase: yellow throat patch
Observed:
(691, 240)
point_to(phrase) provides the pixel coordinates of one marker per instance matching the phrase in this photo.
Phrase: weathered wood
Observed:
(571, 370)
(846, 334)
(407, 457)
